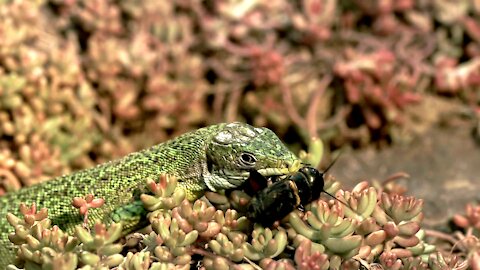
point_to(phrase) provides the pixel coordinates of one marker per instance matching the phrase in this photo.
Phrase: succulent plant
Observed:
(471, 218)
(165, 194)
(328, 235)
(229, 245)
(199, 217)
(270, 264)
(136, 261)
(84, 204)
(99, 247)
(40, 244)
(169, 243)
(265, 243)
(306, 259)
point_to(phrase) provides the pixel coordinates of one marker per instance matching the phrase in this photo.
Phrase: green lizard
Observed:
(211, 158)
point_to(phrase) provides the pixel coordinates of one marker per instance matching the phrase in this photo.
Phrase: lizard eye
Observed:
(247, 159)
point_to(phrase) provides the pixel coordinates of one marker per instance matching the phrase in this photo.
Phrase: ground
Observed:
(443, 164)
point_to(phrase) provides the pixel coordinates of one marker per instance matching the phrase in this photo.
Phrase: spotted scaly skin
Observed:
(211, 158)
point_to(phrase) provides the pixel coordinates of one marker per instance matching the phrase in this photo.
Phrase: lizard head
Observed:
(238, 148)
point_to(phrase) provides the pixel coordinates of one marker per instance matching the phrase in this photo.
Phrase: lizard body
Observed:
(211, 158)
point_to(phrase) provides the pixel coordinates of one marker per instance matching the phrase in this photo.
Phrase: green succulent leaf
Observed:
(343, 245)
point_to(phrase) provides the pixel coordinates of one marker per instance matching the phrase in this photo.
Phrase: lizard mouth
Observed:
(274, 171)
(282, 170)
(238, 180)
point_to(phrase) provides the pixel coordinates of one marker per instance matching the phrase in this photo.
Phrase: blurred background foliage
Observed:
(83, 82)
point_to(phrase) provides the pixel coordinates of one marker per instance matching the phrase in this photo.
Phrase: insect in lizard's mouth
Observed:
(228, 179)
(282, 170)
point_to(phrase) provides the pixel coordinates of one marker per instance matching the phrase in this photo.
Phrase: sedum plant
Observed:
(364, 227)
(375, 228)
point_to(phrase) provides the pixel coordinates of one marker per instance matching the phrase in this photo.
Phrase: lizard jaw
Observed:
(224, 179)
(274, 171)
(281, 170)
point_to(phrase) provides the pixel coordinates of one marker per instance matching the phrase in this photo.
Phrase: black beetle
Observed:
(277, 200)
